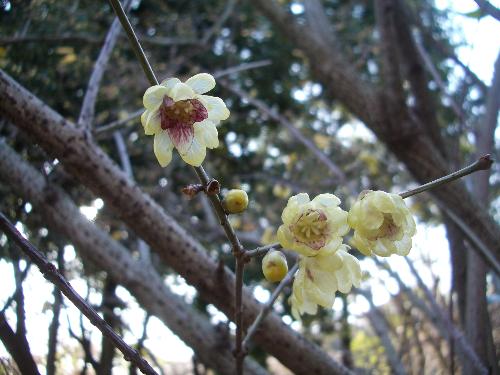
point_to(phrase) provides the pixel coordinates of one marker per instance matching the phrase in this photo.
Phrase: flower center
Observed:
(311, 229)
(178, 118)
(388, 229)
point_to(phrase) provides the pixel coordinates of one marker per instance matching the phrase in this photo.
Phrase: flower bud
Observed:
(235, 201)
(274, 266)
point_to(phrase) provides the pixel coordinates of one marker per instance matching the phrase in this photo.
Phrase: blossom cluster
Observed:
(181, 116)
(382, 223)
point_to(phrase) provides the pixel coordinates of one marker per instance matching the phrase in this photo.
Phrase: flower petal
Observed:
(153, 97)
(326, 200)
(153, 123)
(169, 83)
(201, 83)
(181, 91)
(144, 117)
(163, 148)
(207, 132)
(215, 106)
(196, 153)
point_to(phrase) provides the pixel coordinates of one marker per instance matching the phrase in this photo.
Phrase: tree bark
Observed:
(17, 348)
(96, 246)
(477, 320)
(107, 349)
(87, 162)
(54, 325)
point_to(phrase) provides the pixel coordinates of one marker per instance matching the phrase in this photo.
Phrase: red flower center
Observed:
(178, 118)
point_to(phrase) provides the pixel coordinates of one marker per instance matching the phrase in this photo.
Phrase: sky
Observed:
(483, 44)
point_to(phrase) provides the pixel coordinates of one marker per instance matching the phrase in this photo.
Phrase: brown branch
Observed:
(440, 321)
(17, 347)
(88, 106)
(266, 309)
(483, 163)
(385, 14)
(115, 125)
(90, 39)
(92, 167)
(296, 133)
(52, 274)
(379, 324)
(458, 337)
(489, 9)
(54, 325)
(96, 246)
(261, 250)
(328, 63)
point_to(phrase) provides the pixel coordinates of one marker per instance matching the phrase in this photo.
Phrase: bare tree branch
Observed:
(87, 162)
(88, 107)
(489, 9)
(306, 142)
(54, 325)
(17, 347)
(96, 246)
(90, 39)
(380, 327)
(440, 320)
(51, 273)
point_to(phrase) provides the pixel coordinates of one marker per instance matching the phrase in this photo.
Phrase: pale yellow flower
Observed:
(382, 224)
(312, 227)
(180, 116)
(320, 277)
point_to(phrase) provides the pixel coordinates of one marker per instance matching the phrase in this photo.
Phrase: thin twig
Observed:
(228, 10)
(294, 131)
(78, 39)
(266, 309)
(261, 250)
(455, 333)
(132, 37)
(483, 163)
(241, 68)
(489, 9)
(52, 274)
(237, 248)
(11, 299)
(381, 328)
(473, 238)
(439, 319)
(88, 106)
(437, 78)
(115, 125)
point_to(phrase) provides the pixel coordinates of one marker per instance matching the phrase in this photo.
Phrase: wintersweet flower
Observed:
(320, 277)
(179, 115)
(382, 224)
(312, 227)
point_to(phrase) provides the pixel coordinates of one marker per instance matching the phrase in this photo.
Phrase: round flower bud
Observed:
(235, 201)
(274, 266)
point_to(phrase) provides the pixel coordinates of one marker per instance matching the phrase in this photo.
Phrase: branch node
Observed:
(485, 162)
(213, 187)
(191, 190)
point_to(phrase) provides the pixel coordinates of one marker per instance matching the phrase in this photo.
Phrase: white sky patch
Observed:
(354, 130)
(89, 212)
(483, 36)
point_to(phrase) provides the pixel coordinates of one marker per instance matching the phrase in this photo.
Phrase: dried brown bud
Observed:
(190, 191)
